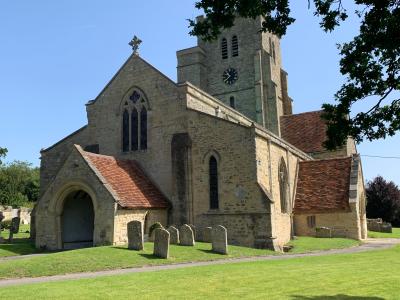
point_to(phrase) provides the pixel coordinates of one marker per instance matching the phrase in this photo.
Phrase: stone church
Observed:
(219, 146)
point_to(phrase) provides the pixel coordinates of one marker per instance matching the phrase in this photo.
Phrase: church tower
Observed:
(243, 69)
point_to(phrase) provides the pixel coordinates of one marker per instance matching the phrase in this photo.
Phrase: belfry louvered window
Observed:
(134, 122)
(213, 182)
(235, 46)
(224, 48)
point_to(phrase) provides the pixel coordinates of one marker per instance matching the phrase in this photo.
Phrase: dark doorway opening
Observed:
(77, 221)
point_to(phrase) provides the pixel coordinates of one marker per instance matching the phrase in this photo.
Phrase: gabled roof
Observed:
(306, 131)
(323, 186)
(128, 182)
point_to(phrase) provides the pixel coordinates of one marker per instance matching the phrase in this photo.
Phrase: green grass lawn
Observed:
(370, 275)
(21, 244)
(106, 258)
(308, 244)
(394, 234)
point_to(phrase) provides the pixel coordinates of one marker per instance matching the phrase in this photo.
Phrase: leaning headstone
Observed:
(135, 235)
(194, 231)
(173, 235)
(161, 243)
(219, 239)
(186, 235)
(206, 235)
(14, 228)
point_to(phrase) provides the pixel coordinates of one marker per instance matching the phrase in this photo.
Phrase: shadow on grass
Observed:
(19, 247)
(151, 256)
(338, 297)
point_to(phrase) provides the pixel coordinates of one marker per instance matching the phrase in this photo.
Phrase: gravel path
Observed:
(370, 244)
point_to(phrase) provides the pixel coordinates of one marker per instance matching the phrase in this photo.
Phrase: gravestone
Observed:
(194, 231)
(161, 243)
(135, 235)
(186, 236)
(323, 232)
(219, 239)
(1, 219)
(14, 228)
(173, 235)
(207, 231)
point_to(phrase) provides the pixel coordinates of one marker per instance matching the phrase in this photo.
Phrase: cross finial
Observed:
(135, 43)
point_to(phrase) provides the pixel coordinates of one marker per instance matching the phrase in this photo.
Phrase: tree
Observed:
(19, 183)
(370, 62)
(3, 153)
(383, 200)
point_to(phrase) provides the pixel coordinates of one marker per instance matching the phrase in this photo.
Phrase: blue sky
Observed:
(57, 55)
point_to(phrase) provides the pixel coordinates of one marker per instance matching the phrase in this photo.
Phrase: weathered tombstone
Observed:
(14, 227)
(186, 235)
(135, 235)
(206, 235)
(173, 235)
(161, 243)
(323, 232)
(219, 239)
(194, 231)
(1, 219)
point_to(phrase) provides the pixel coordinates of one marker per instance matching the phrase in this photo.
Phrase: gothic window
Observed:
(235, 46)
(283, 186)
(125, 131)
(134, 129)
(224, 48)
(213, 181)
(232, 102)
(143, 128)
(273, 51)
(134, 122)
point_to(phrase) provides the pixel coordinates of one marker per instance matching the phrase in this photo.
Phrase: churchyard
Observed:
(378, 269)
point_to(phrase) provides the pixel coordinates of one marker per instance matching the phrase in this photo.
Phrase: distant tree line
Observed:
(383, 200)
(19, 182)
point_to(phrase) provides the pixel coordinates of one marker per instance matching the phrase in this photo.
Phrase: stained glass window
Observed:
(134, 130)
(143, 128)
(135, 96)
(213, 178)
(125, 131)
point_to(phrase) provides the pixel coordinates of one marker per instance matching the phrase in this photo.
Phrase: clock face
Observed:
(230, 76)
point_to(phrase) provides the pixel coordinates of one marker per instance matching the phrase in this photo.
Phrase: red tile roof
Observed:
(127, 180)
(306, 131)
(323, 186)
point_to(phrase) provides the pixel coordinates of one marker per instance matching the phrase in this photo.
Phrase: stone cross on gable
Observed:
(135, 43)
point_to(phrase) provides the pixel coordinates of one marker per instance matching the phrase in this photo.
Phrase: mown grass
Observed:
(394, 234)
(372, 275)
(106, 258)
(309, 244)
(21, 244)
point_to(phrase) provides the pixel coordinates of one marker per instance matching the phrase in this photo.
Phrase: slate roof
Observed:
(323, 186)
(127, 181)
(305, 131)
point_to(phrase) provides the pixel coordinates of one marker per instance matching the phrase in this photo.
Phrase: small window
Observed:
(311, 221)
(235, 46)
(283, 186)
(213, 182)
(125, 131)
(143, 129)
(224, 48)
(232, 102)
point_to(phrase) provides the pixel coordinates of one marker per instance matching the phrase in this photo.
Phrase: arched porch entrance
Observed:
(77, 220)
